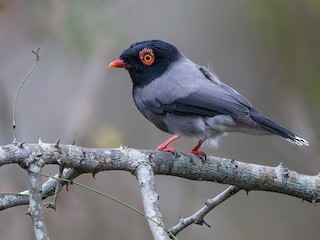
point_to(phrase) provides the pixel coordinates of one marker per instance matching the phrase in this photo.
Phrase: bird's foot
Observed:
(164, 145)
(201, 154)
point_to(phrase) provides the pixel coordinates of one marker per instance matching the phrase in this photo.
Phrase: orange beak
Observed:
(118, 64)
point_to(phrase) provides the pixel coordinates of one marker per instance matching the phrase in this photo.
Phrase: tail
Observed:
(276, 129)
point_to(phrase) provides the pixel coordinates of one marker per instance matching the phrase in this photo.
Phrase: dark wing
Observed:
(212, 77)
(210, 99)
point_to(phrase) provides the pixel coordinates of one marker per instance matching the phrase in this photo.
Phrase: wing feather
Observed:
(208, 98)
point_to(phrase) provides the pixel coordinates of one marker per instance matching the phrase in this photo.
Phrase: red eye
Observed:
(146, 56)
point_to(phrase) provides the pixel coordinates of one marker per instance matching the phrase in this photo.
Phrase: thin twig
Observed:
(8, 200)
(198, 217)
(14, 126)
(58, 188)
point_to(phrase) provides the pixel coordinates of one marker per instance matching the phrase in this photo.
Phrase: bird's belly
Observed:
(189, 126)
(221, 123)
(199, 127)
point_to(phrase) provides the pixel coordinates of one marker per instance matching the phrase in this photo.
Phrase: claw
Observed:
(51, 205)
(201, 154)
(196, 151)
(21, 145)
(167, 149)
(171, 150)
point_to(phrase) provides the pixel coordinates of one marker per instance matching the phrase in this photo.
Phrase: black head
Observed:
(148, 60)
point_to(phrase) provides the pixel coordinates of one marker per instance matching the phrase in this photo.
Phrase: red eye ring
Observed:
(146, 56)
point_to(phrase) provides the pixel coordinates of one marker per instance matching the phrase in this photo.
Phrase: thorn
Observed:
(121, 146)
(57, 144)
(74, 142)
(280, 165)
(150, 157)
(27, 212)
(203, 158)
(51, 205)
(21, 145)
(247, 191)
(59, 161)
(40, 142)
(94, 175)
(302, 200)
(14, 141)
(286, 172)
(205, 223)
(128, 146)
(84, 153)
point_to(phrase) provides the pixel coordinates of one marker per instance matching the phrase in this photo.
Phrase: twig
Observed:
(14, 126)
(8, 200)
(58, 188)
(198, 217)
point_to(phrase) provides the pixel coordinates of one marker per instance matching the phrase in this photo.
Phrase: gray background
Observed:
(268, 50)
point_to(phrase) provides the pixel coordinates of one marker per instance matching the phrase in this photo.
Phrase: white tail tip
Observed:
(298, 140)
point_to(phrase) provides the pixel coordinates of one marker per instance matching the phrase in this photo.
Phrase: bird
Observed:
(188, 100)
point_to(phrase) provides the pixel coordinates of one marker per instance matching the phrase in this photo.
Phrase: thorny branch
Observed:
(74, 161)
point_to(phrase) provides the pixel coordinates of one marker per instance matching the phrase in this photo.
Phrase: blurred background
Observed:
(268, 50)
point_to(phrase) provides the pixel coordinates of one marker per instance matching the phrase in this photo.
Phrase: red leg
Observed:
(196, 151)
(164, 146)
